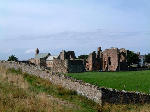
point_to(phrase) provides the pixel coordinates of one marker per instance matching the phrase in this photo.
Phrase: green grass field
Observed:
(130, 80)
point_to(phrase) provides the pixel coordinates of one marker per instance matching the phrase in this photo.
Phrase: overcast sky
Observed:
(79, 25)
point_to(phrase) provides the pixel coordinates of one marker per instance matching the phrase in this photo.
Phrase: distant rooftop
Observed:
(51, 58)
(42, 55)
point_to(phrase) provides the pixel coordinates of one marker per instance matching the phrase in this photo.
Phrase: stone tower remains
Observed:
(112, 59)
(94, 61)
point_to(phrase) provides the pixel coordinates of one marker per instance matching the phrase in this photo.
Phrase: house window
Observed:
(109, 60)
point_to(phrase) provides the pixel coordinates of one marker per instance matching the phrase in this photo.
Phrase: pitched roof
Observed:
(51, 58)
(42, 55)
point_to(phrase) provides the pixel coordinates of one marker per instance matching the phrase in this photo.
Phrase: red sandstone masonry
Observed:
(112, 59)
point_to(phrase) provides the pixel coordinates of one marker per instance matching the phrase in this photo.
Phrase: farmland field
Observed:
(129, 80)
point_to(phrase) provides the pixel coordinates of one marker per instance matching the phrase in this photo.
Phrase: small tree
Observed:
(12, 58)
(132, 58)
(83, 57)
(147, 58)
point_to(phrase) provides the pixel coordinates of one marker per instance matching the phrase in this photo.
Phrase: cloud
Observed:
(71, 24)
(29, 51)
(39, 18)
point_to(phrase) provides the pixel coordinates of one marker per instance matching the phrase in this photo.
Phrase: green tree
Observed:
(12, 58)
(83, 57)
(147, 58)
(132, 58)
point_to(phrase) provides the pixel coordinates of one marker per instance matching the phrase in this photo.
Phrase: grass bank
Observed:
(21, 92)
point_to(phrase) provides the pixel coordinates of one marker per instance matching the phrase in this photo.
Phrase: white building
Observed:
(49, 61)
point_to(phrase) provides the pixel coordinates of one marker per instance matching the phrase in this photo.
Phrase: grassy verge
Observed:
(130, 81)
(23, 92)
(126, 108)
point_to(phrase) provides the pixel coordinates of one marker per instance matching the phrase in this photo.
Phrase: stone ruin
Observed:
(94, 61)
(67, 63)
(112, 59)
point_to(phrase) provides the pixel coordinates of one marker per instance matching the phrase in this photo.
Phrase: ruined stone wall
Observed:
(97, 94)
(68, 66)
(93, 63)
(123, 59)
(60, 66)
(70, 55)
(32, 60)
(62, 55)
(111, 59)
(76, 66)
(38, 61)
(89, 64)
(43, 62)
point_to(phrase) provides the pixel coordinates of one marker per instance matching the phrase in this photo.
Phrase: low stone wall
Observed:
(90, 91)
(99, 95)
(137, 69)
(123, 97)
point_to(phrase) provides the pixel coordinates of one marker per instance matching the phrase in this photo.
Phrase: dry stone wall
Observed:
(110, 95)
(85, 89)
(99, 95)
